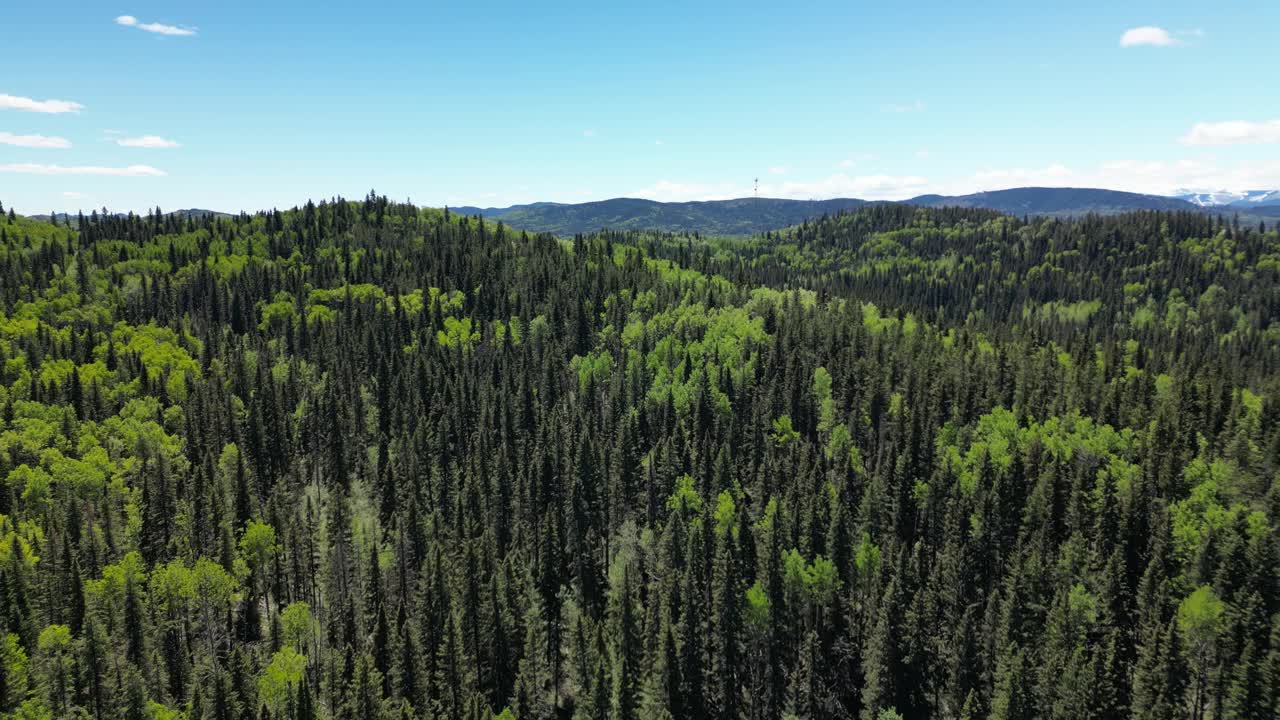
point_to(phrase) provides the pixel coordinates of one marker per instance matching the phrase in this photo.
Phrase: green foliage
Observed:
(822, 396)
(33, 709)
(16, 665)
(296, 624)
(783, 431)
(258, 545)
(1200, 615)
(867, 558)
(759, 607)
(458, 334)
(840, 448)
(685, 498)
(362, 459)
(998, 439)
(280, 679)
(817, 581)
(692, 345)
(1218, 500)
(595, 368)
(726, 515)
(54, 639)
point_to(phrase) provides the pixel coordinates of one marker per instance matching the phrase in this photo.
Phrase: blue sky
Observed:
(239, 105)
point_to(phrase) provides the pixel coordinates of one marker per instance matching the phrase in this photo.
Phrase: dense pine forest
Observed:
(366, 460)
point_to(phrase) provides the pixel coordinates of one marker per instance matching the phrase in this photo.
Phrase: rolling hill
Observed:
(1056, 202)
(742, 216)
(745, 216)
(748, 216)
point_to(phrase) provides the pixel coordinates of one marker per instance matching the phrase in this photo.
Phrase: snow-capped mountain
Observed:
(1234, 198)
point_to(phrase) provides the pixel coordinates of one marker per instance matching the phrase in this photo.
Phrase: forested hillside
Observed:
(1059, 201)
(741, 216)
(366, 460)
(751, 215)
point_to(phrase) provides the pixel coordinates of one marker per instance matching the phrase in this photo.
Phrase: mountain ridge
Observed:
(743, 216)
(751, 215)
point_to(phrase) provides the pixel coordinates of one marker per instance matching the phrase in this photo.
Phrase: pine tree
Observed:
(628, 654)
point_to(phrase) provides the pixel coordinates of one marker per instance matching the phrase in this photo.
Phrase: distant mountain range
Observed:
(744, 216)
(1056, 201)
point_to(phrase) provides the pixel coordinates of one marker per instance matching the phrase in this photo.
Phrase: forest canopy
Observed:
(368, 460)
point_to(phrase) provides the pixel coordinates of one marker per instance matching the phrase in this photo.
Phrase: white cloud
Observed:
(131, 21)
(75, 200)
(38, 169)
(13, 102)
(871, 187)
(779, 170)
(868, 187)
(34, 141)
(1163, 177)
(923, 154)
(1158, 177)
(147, 141)
(917, 106)
(588, 133)
(672, 191)
(1233, 132)
(1147, 35)
(856, 158)
(1020, 177)
(658, 142)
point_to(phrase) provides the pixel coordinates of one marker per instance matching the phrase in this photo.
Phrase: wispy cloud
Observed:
(680, 191)
(779, 170)
(871, 187)
(589, 133)
(158, 28)
(1233, 132)
(1152, 36)
(997, 179)
(34, 141)
(38, 169)
(73, 200)
(1156, 177)
(917, 106)
(13, 102)
(147, 141)
(1147, 35)
(855, 159)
